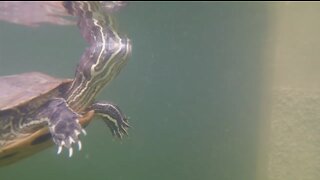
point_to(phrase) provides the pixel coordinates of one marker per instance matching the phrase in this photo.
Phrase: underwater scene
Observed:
(159, 90)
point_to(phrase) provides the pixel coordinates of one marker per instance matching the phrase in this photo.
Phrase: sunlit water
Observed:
(197, 90)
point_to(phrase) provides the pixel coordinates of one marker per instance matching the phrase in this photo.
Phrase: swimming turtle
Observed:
(35, 107)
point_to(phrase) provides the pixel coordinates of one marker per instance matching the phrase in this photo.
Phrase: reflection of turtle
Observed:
(38, 12)
(34, 104)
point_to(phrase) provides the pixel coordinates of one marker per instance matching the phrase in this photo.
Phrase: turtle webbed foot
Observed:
(113, 117)
(65, 133)
(64, 125)
(117, 128)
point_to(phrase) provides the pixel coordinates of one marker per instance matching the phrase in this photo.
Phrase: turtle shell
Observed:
(16, 90)
(22, 90)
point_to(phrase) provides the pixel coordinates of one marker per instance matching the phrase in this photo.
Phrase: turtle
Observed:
(38, 110)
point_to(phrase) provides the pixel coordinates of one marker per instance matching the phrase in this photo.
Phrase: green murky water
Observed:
(195, 90)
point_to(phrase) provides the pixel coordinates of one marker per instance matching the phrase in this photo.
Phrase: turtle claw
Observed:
(79, 145)
(122, 128)
(77, 132)
(84, 132)
(59, 150)
(70, 152)
(71, 140)
(118, 128)
(64, 125)
(68, 142)
(69, 146)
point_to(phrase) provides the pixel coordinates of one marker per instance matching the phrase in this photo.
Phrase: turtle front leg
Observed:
(112, 116)
(63, 124)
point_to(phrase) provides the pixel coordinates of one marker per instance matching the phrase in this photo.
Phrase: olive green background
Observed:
(195, 90)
